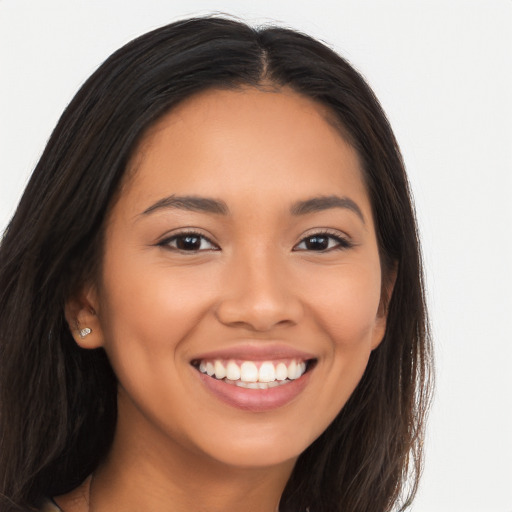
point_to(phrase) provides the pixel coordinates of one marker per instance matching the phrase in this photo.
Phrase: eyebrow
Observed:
(191, 203)
(318, 204)
(219, 207)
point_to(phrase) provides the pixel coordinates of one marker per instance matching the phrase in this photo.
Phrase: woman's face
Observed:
(242, 243)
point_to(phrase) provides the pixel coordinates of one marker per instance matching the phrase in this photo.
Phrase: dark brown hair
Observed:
(58, 402)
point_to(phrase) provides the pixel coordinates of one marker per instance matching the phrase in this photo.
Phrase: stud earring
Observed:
(84, 332)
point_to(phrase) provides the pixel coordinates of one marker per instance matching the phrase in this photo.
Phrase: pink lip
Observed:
(255, 400)
(257, 351)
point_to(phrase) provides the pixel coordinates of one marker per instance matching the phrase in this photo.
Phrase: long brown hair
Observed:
(58, 402)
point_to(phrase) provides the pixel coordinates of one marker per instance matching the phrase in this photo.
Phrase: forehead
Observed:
(245, 142)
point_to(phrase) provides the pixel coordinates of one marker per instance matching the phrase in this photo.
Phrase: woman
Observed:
(211, 291)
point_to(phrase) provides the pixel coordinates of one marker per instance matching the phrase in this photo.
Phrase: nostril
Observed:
(259, 315)
(257, 296)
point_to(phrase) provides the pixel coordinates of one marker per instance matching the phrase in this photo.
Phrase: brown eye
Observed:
(322, 242)
(189, 242)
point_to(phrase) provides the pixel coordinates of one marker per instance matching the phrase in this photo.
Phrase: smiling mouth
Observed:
(254, 374)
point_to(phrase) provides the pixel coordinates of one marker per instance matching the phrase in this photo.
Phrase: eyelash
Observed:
(341, 243)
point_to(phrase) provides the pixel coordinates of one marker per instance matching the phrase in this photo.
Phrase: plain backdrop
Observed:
(442, 70)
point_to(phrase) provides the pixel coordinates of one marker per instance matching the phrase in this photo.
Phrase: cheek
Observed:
(348, 305)
(148, 310)
(151, 302)
(348, 313)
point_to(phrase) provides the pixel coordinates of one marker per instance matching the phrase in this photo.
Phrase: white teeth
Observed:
(248, 385)
(256, 385)
(210, 369)
(248, 375)
(295, 370)
(220, 371)
(281, 371)
(232, 371)
(249, 372)
(267, 372)
(292, 370)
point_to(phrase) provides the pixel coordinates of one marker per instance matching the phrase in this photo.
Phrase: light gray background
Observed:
(442, 70)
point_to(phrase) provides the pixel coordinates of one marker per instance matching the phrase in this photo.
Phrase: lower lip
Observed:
(255, 400)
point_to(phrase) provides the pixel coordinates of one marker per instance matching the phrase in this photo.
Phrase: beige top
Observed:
(77, 499)
(50, 506)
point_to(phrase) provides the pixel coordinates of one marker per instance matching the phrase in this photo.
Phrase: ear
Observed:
(82, 318)
(388, 285)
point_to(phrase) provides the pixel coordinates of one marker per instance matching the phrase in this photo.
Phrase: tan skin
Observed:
(254, 276)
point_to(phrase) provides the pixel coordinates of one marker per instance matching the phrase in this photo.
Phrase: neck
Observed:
(222, 489)
(153, 482)
(153, 472)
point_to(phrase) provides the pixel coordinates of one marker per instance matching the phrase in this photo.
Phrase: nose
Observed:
(259, 295)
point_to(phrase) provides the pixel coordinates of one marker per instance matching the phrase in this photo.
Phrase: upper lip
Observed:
(256, 351)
